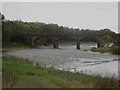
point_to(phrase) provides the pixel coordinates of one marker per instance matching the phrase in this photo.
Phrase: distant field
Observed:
(20, 73)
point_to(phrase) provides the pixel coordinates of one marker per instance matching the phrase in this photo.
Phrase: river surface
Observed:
(69, 59)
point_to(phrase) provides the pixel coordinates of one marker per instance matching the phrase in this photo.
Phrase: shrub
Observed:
(93, 49)
(101, 50)
(115, 50)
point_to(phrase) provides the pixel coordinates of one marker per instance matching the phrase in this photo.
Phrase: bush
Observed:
(101, 50)
(93, 49)
(115, 50)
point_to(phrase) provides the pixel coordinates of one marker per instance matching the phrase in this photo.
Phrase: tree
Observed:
(9, 27)
(3, 17)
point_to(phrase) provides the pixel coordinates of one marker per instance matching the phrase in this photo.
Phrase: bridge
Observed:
(54, 38)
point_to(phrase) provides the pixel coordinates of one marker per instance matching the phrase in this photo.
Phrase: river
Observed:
(69, 59)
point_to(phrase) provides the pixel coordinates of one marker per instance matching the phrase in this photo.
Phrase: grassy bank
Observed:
(21, 73)
(13, 46)
(101, 50)
(113, 50)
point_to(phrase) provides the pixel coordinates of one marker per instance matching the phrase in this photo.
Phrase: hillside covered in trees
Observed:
(9, 27)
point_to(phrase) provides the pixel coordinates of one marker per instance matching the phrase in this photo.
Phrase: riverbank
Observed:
(21, 73)
(113, 50)
(13, 46)
(70, 59)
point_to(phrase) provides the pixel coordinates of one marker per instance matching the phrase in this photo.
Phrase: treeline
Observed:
(9, 27)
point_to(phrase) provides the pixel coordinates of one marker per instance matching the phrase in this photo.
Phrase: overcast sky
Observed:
(92, 15)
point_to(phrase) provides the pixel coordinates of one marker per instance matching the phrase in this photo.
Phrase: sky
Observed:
(86, 15)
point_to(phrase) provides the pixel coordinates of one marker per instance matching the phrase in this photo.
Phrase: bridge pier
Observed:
(98, 45)
(33, 45)
(78, 45)
(33, 38)
(55, 44)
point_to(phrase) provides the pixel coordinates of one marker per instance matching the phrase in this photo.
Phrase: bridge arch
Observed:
(56, 38)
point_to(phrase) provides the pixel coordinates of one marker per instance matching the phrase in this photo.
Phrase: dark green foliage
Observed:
(115, 50)
(101, 50)
(117, 39)
(10, 27)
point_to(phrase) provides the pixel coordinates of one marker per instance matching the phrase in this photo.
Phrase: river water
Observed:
(69, 59)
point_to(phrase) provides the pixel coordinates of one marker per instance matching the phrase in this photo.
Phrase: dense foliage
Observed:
(115, 50)
(18, 26)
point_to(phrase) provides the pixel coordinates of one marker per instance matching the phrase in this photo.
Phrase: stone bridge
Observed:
(55, 39)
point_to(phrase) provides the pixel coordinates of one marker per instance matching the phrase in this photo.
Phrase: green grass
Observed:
(101, 50)
(115, 49)
(22, 74)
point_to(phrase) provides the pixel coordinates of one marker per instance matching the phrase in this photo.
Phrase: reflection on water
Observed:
(68, 58)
